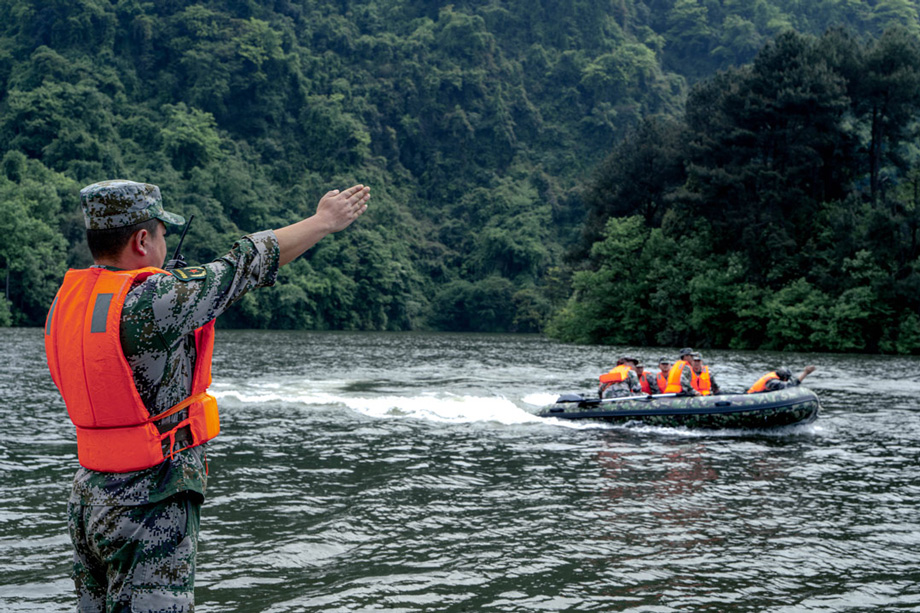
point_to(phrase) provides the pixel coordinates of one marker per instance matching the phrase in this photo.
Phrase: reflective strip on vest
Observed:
(50, 317)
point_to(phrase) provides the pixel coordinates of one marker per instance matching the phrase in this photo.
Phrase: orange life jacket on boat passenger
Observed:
(643, 380)
(673, 386)
(762, 383)
(115, 431)
(662, 381)
(617, 375)
(701, 382)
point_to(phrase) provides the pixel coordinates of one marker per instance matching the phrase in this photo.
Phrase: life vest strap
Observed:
(178, 407)
(140, 446)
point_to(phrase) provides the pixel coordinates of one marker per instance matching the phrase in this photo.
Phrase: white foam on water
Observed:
(446, 409)
(442, 407)
(540, 399)
(261, 391)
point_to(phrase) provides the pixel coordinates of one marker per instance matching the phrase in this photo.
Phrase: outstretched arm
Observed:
(335, 211)
(808, 370)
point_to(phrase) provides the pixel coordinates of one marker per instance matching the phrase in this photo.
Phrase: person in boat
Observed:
(661, 377)
(680, 377)
(129, 346)
(779, 379)
(701, 379)
(622, 380)
(648, 381)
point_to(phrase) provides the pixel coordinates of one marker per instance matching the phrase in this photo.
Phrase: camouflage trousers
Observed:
(135, 558)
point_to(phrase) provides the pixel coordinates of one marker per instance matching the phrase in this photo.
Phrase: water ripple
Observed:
(362, 472)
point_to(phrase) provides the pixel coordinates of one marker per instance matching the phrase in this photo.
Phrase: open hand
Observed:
(338, 209)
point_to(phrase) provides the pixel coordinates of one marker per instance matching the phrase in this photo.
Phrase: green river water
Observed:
(409, 473)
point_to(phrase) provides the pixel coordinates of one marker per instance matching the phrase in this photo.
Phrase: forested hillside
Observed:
(478, 125)
(780, 211)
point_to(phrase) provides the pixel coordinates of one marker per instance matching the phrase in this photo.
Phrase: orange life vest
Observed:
(643, 380)
(662, 381)
(701, 382)
(761, 384)
(115, 431)
(617, 375)
(673, 386)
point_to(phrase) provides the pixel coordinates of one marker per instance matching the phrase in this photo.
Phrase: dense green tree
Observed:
(609, 304)
(783, 236)
(766, 146)
(689, 34)
(886, 93)
(645, 167)
(32, 252)
(482, 306)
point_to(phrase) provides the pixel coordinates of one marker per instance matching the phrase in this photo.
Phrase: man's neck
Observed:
(106, 263)
(122, 262)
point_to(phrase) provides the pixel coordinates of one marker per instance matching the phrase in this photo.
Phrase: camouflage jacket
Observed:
(159, 314)
(778, 384)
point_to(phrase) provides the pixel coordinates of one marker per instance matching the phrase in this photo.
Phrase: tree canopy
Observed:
(786, 199)
(504, 141)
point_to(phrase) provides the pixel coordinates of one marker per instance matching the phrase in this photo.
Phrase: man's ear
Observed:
(140, 242)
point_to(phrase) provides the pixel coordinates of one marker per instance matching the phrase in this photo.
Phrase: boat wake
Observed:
(429, 405)
(443, 406)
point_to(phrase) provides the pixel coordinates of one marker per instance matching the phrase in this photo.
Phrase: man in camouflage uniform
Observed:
(696, 363)
(629, 386)
(779, 379)
(683, 365)
(661, 377)
(647, 379)
(135, 534)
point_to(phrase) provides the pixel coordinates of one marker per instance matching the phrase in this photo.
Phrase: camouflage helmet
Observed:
(783, 373)
(685, 351)
(118, 203)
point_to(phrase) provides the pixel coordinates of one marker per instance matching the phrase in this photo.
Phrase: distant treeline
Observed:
(479, 124)
(781, 211)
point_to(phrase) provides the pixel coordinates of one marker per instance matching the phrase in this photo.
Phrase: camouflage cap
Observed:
(118, 203)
